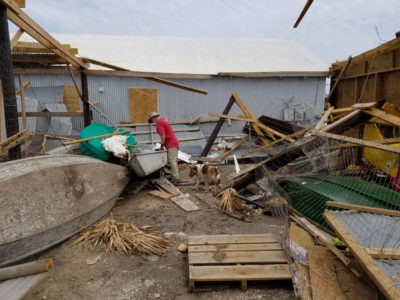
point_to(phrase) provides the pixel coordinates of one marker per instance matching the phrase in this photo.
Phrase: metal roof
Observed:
(181, 55)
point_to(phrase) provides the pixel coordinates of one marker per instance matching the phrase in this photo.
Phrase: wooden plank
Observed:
(312, 229)
(250, 168)
(303, 12)
(384, 48)
(250, 115)
(330, 279)
(225, 153)
(95, 137)
(230, 117)
(74, 81)
(141, 103)
(235, 247)
(165, 185)
(324, 118)
(14, 140)
(238, 257)
(357, 141)
(25, 85)
(301, 275)
(382, 115)
(388, 253)
(160, 194)
(340, 110)
(23, 21)
(364, 105)
(33, 47)
(156, 79)
(372, 210)
(48, 114)
(231, 239)
(23, 106)
(217, 128)
(300, 236)
(175, 130)
(384, 283)
(325, 240)
(391, 109)
(231, 273)
(295, 134)
(274, 132)
(15, 38)
(184, 202)
(179, 139)
(342, 120)
(338, 78)
(20, 3)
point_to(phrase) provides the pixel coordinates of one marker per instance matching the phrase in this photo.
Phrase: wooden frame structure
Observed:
(369, 76)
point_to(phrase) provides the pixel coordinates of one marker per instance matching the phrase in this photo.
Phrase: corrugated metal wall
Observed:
(268, 96)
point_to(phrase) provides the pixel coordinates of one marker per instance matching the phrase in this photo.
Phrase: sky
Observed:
(331, 29)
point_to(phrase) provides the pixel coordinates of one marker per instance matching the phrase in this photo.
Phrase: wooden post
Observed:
(85, 99)
(23, 106)
(217, 128)
(338, 78)
(7, 78)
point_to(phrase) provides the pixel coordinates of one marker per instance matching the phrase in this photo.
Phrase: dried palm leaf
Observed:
(126, 238)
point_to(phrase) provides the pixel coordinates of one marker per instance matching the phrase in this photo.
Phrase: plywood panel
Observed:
(331, 279)
(391, 87)
(141, 103)
(71, 98)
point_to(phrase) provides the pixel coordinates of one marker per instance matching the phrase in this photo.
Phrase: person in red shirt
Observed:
(169, 142)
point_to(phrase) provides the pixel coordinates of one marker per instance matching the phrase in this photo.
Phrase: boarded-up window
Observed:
(141, 103)
(71, 98)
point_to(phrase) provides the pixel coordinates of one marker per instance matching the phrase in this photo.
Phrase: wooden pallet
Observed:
(237, 257)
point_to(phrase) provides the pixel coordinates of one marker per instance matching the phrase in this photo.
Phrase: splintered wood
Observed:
(237, 257)
(184, 201)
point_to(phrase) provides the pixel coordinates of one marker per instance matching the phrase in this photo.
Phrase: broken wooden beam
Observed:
(338, 78)
(303, 12)
(384, 283)
(324, 118)
(368, 209)
(217, 128)
(250, 115)
(356, 141)
(94, 137)
(14, 140)
(156, 79)
(223, 116)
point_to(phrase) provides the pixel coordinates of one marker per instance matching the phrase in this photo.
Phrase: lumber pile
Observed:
(270, 131)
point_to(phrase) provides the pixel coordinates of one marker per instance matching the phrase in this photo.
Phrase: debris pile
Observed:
(114, 236)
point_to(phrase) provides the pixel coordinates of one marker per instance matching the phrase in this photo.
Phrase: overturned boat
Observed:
(47, 199)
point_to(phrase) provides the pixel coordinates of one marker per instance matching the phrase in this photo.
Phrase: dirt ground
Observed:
(96, 275)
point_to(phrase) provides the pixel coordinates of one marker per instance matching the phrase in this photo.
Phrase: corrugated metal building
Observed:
(278, 78)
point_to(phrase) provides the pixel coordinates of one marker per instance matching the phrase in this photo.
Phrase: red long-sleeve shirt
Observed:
(164, 128)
